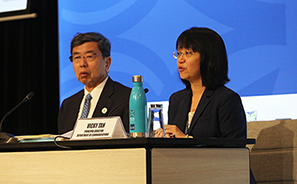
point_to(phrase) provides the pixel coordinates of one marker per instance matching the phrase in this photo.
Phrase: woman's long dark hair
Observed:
(213, 56)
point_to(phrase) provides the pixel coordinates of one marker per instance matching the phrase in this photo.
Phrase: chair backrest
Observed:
(274, 156)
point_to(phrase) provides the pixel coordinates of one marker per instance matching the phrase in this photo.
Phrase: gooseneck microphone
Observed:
(4, 135)
(28, 97)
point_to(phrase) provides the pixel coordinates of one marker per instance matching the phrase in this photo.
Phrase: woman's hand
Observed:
(170, 130)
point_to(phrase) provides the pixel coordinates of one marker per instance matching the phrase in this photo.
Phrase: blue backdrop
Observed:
(260, 36)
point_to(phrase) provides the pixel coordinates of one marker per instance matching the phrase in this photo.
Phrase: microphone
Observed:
(3, 136)
(29, 96)
(145, 91)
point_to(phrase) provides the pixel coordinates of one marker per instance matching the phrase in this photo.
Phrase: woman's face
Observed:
(188, 64)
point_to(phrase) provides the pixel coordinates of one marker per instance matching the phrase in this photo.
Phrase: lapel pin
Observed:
(104, 110)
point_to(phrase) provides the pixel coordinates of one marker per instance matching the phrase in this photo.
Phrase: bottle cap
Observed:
(137, 78)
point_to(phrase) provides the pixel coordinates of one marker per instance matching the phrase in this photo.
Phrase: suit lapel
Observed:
(76, 105)
(205, 99)
(183, 109)
(105, 102)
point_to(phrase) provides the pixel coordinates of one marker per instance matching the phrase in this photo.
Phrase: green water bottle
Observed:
(138, 109)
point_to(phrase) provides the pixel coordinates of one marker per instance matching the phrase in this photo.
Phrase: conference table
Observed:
(132, 160)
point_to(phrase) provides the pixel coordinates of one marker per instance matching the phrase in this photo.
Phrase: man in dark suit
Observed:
(90, 56)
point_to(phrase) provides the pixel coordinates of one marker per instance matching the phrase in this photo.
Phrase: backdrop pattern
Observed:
(260, 37)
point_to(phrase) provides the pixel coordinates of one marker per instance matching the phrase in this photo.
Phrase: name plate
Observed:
(99, 128)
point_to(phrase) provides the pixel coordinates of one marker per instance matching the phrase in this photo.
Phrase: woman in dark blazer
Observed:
(206, 108)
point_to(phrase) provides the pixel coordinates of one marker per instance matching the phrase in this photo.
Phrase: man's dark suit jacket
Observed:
(219, 113)
(114, 97)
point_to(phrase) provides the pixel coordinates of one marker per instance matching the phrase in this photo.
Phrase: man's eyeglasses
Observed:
(88, 56)
(184, 54)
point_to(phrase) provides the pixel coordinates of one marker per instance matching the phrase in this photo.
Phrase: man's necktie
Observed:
(86, 107)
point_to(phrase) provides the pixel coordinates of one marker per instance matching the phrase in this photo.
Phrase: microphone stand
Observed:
(8, 138)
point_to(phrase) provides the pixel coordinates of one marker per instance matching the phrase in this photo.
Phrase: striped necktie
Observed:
(86, 107)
